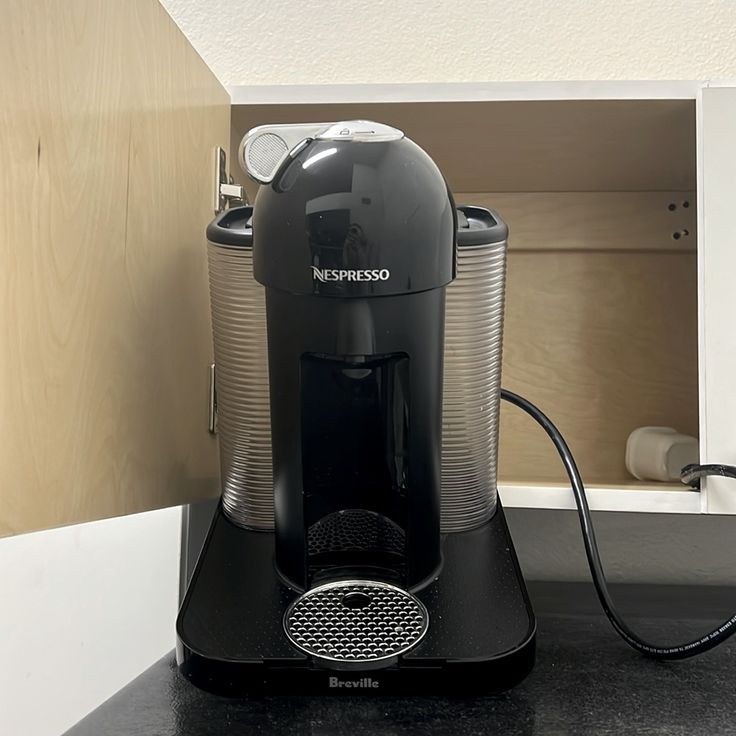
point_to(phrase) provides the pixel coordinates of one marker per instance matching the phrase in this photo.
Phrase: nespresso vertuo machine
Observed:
(357, 319)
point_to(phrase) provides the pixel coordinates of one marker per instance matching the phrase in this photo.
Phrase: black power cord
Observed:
(689, 474)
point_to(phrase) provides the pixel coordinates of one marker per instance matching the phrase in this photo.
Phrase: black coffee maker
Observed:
(361, 558)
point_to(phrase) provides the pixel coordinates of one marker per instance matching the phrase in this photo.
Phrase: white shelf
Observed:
(663, 501)
(463, 92)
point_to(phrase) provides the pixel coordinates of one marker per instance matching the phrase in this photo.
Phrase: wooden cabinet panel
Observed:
(525, 145)
(603, 342)
(107, 127)
(601, 221)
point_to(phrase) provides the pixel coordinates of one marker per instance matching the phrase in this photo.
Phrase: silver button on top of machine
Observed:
(264, 148)
(360, 130)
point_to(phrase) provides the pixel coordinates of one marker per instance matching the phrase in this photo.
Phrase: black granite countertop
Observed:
(586, 681)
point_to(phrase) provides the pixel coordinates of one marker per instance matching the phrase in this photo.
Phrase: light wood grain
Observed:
(535, 146)
(603, 342)
(618, 221)
(107, 125)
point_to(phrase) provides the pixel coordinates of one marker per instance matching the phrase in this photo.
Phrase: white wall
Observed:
(385, 41)
(84, 610)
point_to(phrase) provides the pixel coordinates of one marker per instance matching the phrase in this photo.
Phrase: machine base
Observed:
(231, 641)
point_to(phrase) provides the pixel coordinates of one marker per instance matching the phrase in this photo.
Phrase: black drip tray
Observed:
(480, 633)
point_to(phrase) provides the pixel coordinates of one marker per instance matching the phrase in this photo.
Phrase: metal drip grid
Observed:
(355, 529)
(356, 624)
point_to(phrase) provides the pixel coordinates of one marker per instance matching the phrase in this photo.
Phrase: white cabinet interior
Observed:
(602, 303)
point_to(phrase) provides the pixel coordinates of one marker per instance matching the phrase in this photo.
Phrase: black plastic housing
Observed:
(355, 243)
(356, 206)
(231, 640)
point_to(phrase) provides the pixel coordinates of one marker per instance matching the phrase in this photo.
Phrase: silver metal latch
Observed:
(226, 192)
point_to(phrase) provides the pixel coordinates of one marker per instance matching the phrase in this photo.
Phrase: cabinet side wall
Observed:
(107, 129)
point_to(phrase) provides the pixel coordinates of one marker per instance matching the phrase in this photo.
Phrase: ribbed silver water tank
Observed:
(472, 371)
(241, 360)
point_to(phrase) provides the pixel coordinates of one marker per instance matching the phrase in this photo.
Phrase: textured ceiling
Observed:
(389, 41)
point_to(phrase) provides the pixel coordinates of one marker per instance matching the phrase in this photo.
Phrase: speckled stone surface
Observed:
(586, 681)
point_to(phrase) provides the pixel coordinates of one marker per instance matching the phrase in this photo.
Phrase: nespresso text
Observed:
(350, 274)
